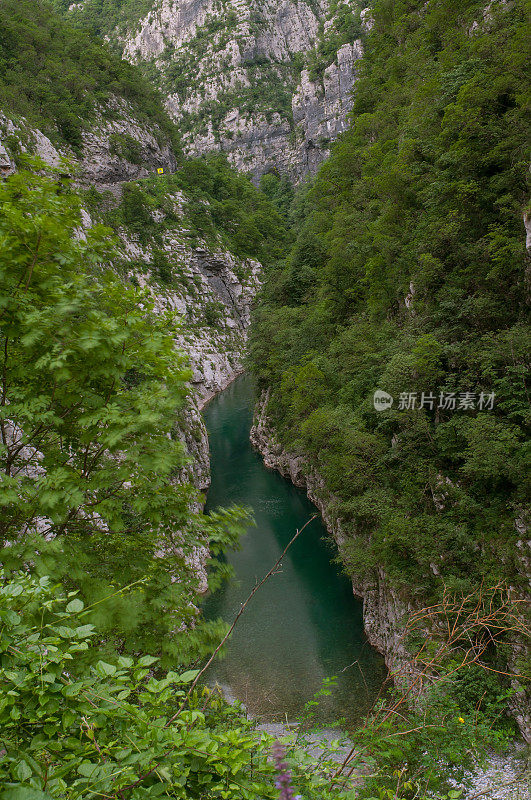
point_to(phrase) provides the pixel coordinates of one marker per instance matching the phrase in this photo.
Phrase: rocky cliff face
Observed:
(293, 140)
(270, 83)
(208, 289)
(211, 292)
(117, 148)
(202, 287)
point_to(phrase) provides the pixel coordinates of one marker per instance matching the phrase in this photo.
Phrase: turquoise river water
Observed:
(304, 624)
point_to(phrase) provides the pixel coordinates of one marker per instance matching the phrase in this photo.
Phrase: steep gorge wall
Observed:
(269, 83)
(385, 610)
(209, 289)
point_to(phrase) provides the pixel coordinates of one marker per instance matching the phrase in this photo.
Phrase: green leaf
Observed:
(105, 669)
(146, 661)
(189, 676)
(75, 606)
(24, 793)
(72, 690)
(87, 769)
(84, 631)
(23, 771)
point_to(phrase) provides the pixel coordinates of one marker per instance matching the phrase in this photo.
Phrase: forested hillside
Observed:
(58, 76)
(104, 17)
(408, 275)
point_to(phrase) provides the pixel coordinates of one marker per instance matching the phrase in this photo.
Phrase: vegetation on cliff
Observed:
(408, 276)
(221, 208)
(91, 385)
(422, 201)
(105, 17)
(59, 76)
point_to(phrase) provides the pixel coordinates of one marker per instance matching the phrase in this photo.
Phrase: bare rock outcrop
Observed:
(236, 78)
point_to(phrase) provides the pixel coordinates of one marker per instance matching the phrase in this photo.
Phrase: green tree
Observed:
(91, 387)
(59, 76)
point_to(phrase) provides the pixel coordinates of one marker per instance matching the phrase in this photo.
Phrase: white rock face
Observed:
(214, 350)
(103, 163)
(31, 141)
(209, 281)
(321, 112)
(527, 224)
(237, 50)
(367, 19)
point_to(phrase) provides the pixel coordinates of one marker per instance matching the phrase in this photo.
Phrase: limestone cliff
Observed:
(117, 147)
(202, 286)
(269, 83)
(209, 289)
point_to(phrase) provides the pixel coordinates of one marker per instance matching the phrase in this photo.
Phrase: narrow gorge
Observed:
(263, 260)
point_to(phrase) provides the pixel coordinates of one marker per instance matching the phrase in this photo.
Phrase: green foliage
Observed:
(408, 275)
(126, 147)
(73, 730)
(57, 75)
(213, 313)
(161, 267)
(279, 190)
(75, 726)
(423, 753)
(135, 211)
(105, 16)
(89, 447)
(222, 207)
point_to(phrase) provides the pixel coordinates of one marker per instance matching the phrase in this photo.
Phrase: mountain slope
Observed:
(410, 275)
(59, 77)
(268, 83)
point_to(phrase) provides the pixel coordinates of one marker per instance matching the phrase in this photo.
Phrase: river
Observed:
(304, 624)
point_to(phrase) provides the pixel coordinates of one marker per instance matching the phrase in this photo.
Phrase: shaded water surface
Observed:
(304, 624)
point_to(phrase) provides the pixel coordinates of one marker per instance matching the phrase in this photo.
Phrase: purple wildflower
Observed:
(283, 782)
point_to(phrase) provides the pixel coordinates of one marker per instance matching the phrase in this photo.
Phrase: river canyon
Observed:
(304, 624)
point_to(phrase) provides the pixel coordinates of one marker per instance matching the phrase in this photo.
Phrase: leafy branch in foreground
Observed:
(91, 386)
(70, 730)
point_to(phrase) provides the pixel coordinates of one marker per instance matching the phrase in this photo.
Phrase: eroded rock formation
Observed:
(270, 83)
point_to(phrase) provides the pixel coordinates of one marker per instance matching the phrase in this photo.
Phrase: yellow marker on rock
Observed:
(160, 171)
